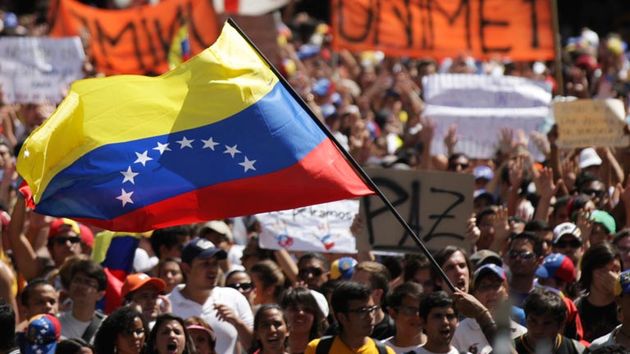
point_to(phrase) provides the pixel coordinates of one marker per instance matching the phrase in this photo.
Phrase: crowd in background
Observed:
(548, 270)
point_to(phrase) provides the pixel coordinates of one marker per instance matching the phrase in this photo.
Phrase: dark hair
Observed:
(7, 323)
(293, 297)
(28, 290)
(171, 260)
(313, 255)
(393, 264)
(413, 264)
(542, 302)
(452, 158)
(491, 210)
(536, 241)
(379, 276)
(189, 347)
(409, 288)
(72, 346)
(92, 270)
(345, 292)
(256, 345)
(119, 322)
(444, 254)
(537, 225)
(433, 300)
(620, 235)
(583, 179)
(596, 257)
(270, 275)
(168, 237)
(235, 271)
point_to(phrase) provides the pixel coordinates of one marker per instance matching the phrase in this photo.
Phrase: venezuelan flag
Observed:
(219, 136)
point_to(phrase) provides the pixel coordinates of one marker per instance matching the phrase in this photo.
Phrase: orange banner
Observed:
(136, 40)
(518, 29)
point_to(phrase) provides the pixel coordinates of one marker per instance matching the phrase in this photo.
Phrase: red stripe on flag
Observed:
(318, 178)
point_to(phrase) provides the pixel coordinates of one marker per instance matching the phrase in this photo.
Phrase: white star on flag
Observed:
(231, 150)
(162, 147)
(125, 197)
(248, 164)
(185, 143)
(143, 158)
(129, 175)
(210, 143)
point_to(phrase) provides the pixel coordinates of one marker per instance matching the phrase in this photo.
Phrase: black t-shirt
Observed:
(562, 345)
(596, 320)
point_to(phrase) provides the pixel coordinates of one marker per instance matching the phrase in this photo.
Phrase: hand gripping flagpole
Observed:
(348, 157)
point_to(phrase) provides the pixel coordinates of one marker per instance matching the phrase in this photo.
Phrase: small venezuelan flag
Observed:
(180, 48)
(219, 136)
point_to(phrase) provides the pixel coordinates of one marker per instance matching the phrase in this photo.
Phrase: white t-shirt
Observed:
(70, 326)
(400, 350)
(234, 257)
(424, 351)
(225, 333)
(469, 337)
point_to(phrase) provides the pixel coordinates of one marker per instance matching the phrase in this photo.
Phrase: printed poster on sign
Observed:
(317, 228)
(39, 69)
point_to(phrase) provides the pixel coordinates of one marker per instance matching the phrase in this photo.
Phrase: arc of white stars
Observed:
(185, 143)
(129, 175)
(125, 197)
(143, 158)
(232, 150)
(209, 144)
(162, 147)
(248, 164)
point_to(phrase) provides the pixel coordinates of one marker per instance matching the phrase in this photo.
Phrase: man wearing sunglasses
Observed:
(523, 258)
(313, 270)
(64, 240)
(567, 240)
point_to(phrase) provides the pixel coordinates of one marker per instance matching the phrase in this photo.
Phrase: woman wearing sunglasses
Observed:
(241, 281)
(123, 332)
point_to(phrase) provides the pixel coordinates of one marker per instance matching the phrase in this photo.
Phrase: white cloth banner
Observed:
(317, 228)
(39, 69)
(481, 106)
(248, 7)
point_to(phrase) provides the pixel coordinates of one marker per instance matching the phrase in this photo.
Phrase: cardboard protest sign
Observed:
(583, 123)
(38, 69)
(437, 206)
(520, 30)
(481, 106)
(135, 40)
(317, 228)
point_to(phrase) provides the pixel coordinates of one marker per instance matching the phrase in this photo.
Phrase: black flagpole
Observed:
(348, 157)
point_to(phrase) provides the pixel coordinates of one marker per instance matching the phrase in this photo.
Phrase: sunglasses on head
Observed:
(243, 287)
(316, 272)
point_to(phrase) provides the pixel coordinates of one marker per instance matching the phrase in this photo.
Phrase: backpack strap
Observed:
(324, 345)
(91, 329)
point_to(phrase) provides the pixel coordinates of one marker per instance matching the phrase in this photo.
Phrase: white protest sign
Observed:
(583, 123)
(481, 106)
(317, 228)
(39, 69)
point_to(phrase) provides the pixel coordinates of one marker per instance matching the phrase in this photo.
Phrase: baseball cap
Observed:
(623, 285)
(41, 335)
(558, 266)
(483, 257)
(483, 172)
(342, 268)
(60, 225)
(489, 268)
(322, 87)
(136, 281)
(605, 219)
(589, 157)
(87, 236)
(566, 228)
(201, 248)
(220, 227)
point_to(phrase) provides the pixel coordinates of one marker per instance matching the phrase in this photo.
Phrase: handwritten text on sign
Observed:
(436, 205)
(38, 69)
(583, 123)
(135, 40)
(317, 228)
(519, 29)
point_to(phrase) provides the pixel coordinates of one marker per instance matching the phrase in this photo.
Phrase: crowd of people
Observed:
(548, 269)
